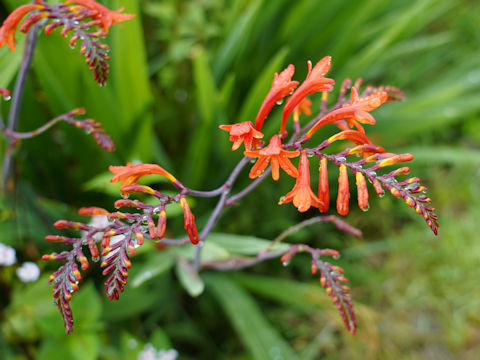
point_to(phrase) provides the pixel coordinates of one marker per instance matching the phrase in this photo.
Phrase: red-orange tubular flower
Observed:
(323, 190)
(302, 195)
(105, 15)
(131, 173)
(362, 191)
(9, 27)
(275, 155)
(343, 191)
(243, 132)
(314, 82)
(282, 86)
(189, 222)
(92, 210)
(355, 113)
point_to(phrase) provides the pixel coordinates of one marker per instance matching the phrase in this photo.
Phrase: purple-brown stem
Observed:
(218, 208)
(339, 223)
(29, 50)
(29, 134)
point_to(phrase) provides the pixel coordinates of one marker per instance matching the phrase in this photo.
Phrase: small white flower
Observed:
(7, 255)
(28, 272)
(150, 353)
(167, 354)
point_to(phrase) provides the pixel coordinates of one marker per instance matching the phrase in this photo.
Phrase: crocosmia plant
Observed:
(296, 150)
(292, 155)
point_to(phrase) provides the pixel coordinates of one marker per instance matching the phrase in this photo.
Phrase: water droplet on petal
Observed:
(336, 257)
(365, 209)
(7, 98)
(279, 102)
(96, 258)
(381, 194)
(285, 263)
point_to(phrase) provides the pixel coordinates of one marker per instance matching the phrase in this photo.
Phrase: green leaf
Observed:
(205, 87)
(189, 277)
(135, 301)
(10, 63)
(310, 297)
(256, 333)
(236, 39)
(241, 244)
(101, 183)
(200, 147)
(84, 346)
(54, 350)
(157, 264)
(160, 340)
(444, 154)
(129, 77)
(130, 346)
(210, 252)
(87, 308)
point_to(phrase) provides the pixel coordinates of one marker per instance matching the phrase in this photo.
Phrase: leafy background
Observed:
(179, 70)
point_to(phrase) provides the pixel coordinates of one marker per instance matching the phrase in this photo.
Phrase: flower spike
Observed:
(302, 195)
(282, 86)
(275, 155)
(243, 132)
(314, 82)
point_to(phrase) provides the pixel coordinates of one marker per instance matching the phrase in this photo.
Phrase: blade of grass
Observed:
(257, 334)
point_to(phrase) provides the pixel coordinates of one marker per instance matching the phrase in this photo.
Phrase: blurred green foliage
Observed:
(178, 70)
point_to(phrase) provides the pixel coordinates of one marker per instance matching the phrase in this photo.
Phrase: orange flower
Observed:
(243, 132)
(355, 136)
(323, 194)
(9, 27)
(275, 155)
(162, 223)
(282, 86)
(356, 112)
(343, 191)
(304, 107)
(189, 222)
(131, 173)
(106, 16)
(302, 195)
(92, 210)
(362, 191)
(314, 82)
